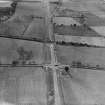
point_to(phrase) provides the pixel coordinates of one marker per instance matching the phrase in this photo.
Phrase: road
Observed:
(30, 81)
(49, 24)
(55, 77)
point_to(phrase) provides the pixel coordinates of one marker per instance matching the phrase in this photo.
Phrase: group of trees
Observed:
(24, 56)
(79, 64)
(62, 25)
(75, 44)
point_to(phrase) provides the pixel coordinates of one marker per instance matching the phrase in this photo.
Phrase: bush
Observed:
(66, 68)
(79, 64)
(73, 63)
(14, 63)
(63, 42)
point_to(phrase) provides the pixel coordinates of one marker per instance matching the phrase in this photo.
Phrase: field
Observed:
(34, 86)
(86, 55)
(93, 41)
(75, 31)
(23, 86)
(86, 87)
(26, 21)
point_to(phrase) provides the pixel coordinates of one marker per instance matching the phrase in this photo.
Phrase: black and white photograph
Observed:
(52, 52)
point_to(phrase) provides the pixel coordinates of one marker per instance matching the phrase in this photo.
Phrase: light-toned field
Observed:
(36, 29)
(5, 4)
(95, 9)
(100, 30)
(29, 8)
(86, 87)
(65, 21)
(23, 86)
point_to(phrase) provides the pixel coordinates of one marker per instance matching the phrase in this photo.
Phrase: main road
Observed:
(51, 70)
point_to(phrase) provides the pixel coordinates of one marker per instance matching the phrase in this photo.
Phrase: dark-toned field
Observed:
(35, 86)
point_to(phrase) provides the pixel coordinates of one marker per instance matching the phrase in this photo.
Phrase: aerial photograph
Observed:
(52, 52)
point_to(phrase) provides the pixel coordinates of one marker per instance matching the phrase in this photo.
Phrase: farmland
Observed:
(47, 85)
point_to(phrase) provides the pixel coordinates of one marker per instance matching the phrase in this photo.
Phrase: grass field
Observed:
(25, 21)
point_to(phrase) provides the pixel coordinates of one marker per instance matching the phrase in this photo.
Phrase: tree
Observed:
(67, 69)
(14, 63)
(24, 55)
